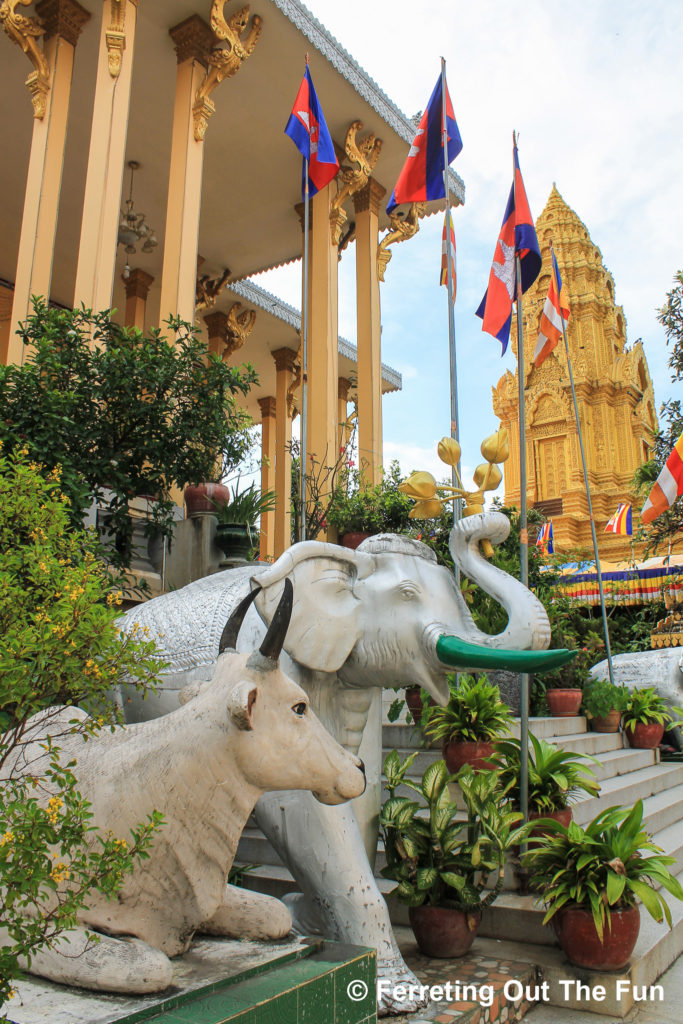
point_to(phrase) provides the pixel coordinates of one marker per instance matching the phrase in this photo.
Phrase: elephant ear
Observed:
(326, 620)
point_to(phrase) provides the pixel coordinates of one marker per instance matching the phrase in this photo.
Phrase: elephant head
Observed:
(388, 615)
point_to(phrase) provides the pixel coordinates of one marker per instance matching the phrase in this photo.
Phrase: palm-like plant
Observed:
(555, 775)
(474, 712)
(602, 867)
(435, 858)
(645, 706)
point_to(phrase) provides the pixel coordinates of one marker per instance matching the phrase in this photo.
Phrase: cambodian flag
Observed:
(309, 133)
(517, 235)
(422, 175)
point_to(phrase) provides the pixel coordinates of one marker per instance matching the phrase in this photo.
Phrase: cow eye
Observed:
(301, 708)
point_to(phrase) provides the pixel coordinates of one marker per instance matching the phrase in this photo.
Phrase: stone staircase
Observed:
(625, 775)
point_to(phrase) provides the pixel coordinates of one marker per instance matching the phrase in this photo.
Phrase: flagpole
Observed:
(455, 428)
(523, 533)
(608, 649)
(304, 362)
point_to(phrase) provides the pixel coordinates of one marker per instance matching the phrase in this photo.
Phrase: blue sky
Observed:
(595, 91)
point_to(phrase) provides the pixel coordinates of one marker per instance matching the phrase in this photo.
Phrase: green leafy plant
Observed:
(602, 867)
(474, 712)
(645, 706)
(357, 507)
(436, 858)
(600, 696)
(59, 645)
(555, 775)
(123, 414)
(246, 506)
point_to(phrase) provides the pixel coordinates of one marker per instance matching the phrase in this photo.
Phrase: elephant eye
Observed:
(408, 590)
(300, 709)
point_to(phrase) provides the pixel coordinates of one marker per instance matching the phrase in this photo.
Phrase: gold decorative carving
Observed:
(24, 32)
(137, 284)
(238, 326)
(402, 228)
(364, 155)
(64, 18)
(224, 60)
(192, 39)
(115, 37)
(209, 288)
(289, 360)
(267, 406)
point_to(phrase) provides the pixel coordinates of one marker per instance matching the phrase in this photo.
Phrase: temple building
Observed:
(178, 109)
(614, 393)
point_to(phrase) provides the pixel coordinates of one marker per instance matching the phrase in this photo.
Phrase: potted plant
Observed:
(564, 686)
(603, 703)
(474, 717)
(447, 870)
(555, 775)
(236, 533)
(645, 716)
(358, 510)
(591, 879)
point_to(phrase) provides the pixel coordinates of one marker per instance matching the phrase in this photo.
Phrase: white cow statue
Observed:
(204, 766)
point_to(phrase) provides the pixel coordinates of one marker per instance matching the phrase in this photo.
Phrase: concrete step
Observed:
(626, 789)
(398, 734)
(254, 848)
(614, 763)
(592, 743)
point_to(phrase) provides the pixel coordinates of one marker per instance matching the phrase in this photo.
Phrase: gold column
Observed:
(193, 41)
(343, 386)
(323, 358)
(102, 200)
(62, 21)
(5, 316)
(285, 359)
(366, 204)
(217, 331)
(268, 434)
(137, 287)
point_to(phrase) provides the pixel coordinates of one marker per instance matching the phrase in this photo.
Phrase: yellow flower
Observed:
(488, 472)
(418, 486)
(54, 805)
(448, 451)
(7, 838)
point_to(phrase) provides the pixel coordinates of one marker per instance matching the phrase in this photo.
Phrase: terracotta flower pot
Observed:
(442, 931)
(353, 539)
(414, 702)
(644, 736)
(459, 752)
(564, 816)
(564, 703)
(610, 723)
(576, 933)
(203, 498)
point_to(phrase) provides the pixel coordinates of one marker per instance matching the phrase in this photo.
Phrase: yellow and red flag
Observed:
(555, 310)
(447, 226)
(668, 486)
(621, 521)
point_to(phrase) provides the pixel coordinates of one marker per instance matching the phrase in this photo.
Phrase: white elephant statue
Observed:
(662, 669)
(384, 615)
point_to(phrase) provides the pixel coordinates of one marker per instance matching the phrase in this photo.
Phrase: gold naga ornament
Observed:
(430, 497)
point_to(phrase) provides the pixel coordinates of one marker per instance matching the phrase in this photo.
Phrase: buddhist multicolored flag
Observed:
(517, 237)
(621, 521)
(668, 486)
(545, 538)
(556, 310)
(421, 177)
(447, 226)
(309, 133)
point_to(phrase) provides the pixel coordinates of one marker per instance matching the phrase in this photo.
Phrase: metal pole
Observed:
(304, 363)
(523, 533)
(608, 649)
(455, 428)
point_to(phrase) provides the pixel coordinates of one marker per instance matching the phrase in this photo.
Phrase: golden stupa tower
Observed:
(613, 388)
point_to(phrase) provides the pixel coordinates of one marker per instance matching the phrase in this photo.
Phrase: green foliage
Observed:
(123, 412)
(645, 706)
(435, 858)
(357, 507)
(59, 645)
(474, 712)
(600, 697)
(602, 867)
(554, 774)
(246, 506)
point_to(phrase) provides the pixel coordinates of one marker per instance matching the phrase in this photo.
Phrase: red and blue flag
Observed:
(421, 178)
(309, 133)
(545, 538)
(621, 521)
(517, 237)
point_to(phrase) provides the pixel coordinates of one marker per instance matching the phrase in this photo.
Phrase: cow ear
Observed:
(240, 704)
(326, 619)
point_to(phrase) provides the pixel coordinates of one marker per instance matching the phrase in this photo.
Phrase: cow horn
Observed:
(234, 623)
(457, 653)
(275, 637)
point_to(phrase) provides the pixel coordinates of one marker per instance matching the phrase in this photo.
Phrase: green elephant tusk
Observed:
(460, 654)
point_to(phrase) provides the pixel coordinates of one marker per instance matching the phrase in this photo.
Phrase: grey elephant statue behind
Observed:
(662, 669)
(384, 615)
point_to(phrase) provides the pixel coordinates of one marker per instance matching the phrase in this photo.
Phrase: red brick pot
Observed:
(459, 752)
(576, 933)
(564, 817)
(203, 498)
(353, 539)
(644, 736)
(443, 932)
(564, 703)
(610, 723)
(414, 702)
